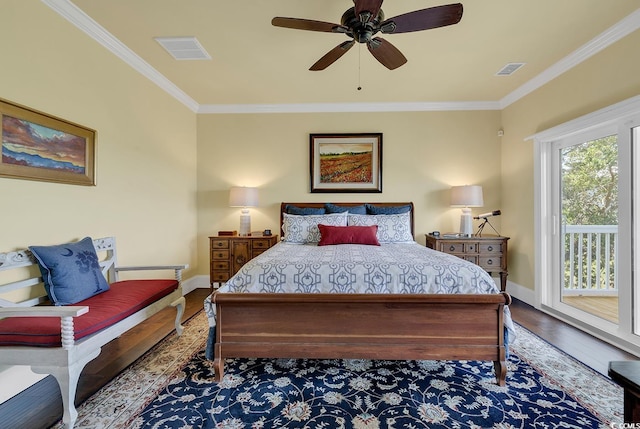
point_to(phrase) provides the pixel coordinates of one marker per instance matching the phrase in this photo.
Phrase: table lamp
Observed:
(240, 196)
(466, 196)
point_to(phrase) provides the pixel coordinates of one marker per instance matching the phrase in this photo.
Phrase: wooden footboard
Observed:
(357, 326)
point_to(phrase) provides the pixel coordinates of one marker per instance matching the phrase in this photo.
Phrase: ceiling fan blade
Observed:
(332, 56)
(306, 24)
(424, 19)
(388, 55)
(372, 6)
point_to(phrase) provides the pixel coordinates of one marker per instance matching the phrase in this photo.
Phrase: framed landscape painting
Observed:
(346, 162)
(37, 146)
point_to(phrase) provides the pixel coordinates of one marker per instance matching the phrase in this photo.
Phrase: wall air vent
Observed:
(509, 69)
(183, 48)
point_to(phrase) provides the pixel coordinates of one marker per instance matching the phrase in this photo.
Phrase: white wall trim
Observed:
(349, 107)
(195, 282)
(82, 21)
(521, 293)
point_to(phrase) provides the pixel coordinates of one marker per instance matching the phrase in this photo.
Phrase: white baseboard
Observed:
(197, 282)
(521, 293)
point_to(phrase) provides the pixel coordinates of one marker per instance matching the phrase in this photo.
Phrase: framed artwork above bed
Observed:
(346, 162)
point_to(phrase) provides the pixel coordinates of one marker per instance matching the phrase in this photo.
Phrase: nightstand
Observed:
(489, 252)
(227, 254)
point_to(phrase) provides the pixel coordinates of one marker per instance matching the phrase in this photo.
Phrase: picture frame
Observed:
(38, 146)
(346, 162)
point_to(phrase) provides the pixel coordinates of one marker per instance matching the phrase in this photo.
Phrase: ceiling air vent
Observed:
(183, 48)
(509, 69)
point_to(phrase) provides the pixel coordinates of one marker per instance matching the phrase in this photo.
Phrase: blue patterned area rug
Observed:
(172, 387)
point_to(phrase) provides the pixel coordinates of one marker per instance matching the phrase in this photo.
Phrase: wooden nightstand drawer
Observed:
(491, 247)
(261, 244)
(452, 247)
(490, 263)
(220, 265)
(220, 276)
(471, 248)
(219, 244)
(470, 258)
(219, 254)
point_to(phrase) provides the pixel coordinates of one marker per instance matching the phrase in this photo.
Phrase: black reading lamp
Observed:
(485, 220)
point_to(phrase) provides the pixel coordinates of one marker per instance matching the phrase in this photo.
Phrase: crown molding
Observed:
(77, 17)
(82, 21)
(624, 27)
(348, 107)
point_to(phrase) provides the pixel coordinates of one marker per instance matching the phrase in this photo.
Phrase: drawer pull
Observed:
(452, 248)
(490, 262)
(490, 248)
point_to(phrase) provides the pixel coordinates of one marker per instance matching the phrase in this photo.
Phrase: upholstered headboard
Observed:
(321, 205)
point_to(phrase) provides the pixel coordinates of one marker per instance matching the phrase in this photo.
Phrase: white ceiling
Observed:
(258, 67)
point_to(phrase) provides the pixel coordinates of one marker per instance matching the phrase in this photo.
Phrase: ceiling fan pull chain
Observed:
(359, 63)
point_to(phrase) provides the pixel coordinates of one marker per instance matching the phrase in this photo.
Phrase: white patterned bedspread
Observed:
(394, 268)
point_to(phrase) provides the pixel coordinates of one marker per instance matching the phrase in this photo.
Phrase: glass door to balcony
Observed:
(587, 220)
(588, 239)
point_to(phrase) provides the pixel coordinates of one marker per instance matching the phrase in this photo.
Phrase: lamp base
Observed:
(245, 223)
(466, 223)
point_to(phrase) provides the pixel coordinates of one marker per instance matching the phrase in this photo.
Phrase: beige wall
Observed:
(424, 154)
(607, 78)
(146, 145)
(146, 150)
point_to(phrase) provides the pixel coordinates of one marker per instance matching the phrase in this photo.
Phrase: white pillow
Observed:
(304, 228)
(393, 228)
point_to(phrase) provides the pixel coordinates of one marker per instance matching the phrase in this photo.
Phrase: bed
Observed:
(395, 301)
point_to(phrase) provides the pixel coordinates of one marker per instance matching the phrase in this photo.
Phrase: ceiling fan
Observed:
(363, 21)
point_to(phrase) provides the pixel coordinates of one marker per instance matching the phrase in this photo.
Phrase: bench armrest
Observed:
(44, 311)
(65, 313)
(177, 268)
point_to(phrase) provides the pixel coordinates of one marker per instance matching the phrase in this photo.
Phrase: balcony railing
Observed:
(590, 259)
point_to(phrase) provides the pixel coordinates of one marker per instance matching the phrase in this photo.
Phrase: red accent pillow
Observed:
(348, 235)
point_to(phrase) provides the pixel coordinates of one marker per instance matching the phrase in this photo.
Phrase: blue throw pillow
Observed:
(373, 210)
(71, 272)
(295, 210)
(333, 208)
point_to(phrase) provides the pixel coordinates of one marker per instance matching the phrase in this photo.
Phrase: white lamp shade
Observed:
(466, 196)
(241, 196)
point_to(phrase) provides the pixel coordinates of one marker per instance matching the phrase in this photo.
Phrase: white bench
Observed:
(19, 273)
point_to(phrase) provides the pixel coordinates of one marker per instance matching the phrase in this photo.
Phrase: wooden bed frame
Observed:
(361, 326)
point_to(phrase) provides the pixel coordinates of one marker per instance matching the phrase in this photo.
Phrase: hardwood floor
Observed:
(582, 346)
(40, 406)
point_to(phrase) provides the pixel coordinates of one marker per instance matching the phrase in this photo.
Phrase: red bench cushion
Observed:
(122, 300)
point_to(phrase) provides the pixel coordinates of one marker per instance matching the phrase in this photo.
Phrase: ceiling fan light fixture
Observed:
(388, 27)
